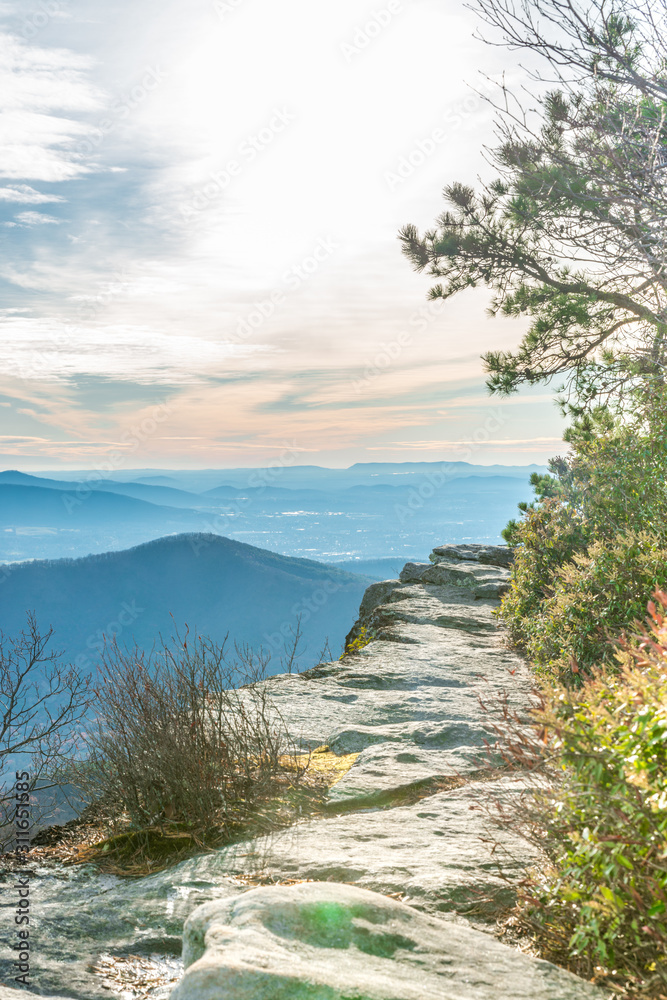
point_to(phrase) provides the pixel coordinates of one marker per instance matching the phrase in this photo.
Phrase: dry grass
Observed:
(114, 847)
(142, 978)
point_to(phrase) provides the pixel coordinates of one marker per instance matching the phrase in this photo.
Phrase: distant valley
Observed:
(368, 512)
(241, 551)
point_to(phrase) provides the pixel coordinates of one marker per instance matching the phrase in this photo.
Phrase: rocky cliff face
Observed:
(391, 895)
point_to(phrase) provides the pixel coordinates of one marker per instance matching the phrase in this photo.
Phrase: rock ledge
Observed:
(322, 941)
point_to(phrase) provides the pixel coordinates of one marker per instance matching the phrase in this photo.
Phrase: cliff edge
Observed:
(393, 893)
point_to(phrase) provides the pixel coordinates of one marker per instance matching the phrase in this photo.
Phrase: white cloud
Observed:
(37, 146)
(27, 195)
(43, 79)
(31, 350)
(45, 96)
(36, 219)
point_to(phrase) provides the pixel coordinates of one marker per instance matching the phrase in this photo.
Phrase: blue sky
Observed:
(199, 205)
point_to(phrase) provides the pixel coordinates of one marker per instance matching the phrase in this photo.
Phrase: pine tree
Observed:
(572, 231)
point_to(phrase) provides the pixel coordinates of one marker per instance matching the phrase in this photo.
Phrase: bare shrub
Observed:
(185, 737)
(42, 702)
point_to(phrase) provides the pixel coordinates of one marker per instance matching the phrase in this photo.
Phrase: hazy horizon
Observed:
(127, 469)
(367, 511)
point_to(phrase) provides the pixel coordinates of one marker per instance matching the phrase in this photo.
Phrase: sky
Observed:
(199, 208)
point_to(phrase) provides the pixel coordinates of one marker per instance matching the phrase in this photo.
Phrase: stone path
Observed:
(409, 818)
(409, 704)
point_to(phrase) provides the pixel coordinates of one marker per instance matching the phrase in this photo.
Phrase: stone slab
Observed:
(338, 942)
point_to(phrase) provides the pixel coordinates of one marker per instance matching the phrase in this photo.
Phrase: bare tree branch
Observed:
(42, 703)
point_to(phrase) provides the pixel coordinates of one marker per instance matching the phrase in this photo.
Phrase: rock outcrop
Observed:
(319, 941)
(416, 704)
(416, 700)
(491, 555)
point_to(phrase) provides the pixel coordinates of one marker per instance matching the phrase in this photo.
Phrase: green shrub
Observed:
(594, 540)
(595, 596)
(550, 535)
(601, 907)
(364, 636)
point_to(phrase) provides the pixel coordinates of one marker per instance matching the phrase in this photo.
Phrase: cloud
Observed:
(186, 258)
(34, 219)
(45, 96)
(57, 352)
(38, 146)
(27, 195)
(501, 442)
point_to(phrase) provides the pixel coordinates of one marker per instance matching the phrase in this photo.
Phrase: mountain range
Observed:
(300, 477)
(210, 584)
(339, 520)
